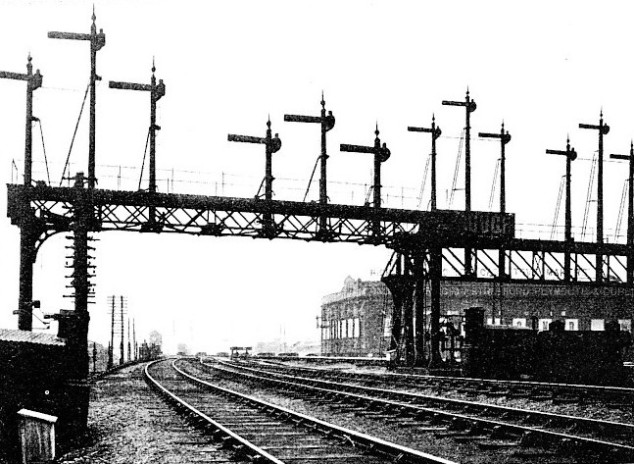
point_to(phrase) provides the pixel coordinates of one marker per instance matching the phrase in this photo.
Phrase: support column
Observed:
(27, 259)
(401, 287)
(28, 235)
(74, 324)
(420, 282)
(409, 352)
(435, 275)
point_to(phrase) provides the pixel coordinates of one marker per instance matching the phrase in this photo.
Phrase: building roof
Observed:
(26, 336)
(355, 289)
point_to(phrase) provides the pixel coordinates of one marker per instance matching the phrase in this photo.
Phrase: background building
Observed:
(356, 321)
(353, 320)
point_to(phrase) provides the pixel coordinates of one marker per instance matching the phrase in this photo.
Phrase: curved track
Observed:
(497, 425)
(265, 432)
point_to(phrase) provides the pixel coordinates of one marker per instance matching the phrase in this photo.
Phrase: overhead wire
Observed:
(424, 182)
(14, 168)
(494, 183)
(72, 142)
(586, 211)
(560, 194)
(457, 167)
(312, 174)
(48, 174)
(619, 219)
(147, 140)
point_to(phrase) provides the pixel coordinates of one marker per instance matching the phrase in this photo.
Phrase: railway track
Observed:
(532, 390)
(263, 432)
(494, 426)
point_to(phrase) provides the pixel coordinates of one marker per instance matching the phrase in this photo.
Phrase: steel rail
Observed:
(597, 391)
(175, 399)
(415, 409)
(456, 402)
(371, 443)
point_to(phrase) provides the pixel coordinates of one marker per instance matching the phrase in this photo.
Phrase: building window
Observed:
(543, 324)
(357, 328)
(597, 324)
(519, 323)
(626, 325)
(572, 324)
(387, 326)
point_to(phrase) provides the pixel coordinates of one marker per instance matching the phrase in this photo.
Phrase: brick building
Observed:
(353, 319)
(356, 321)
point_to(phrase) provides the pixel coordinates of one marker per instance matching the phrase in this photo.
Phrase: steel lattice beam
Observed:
(209, 215)
(486, 234)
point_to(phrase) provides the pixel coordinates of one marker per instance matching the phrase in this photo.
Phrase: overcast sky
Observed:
(542, 67)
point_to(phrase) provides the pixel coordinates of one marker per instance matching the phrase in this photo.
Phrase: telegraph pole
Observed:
(570, 155)
(435, 133)
(381, 155)
(27, 233)
(122, 306)
(469, 106)
(603, 129)
(273, 145)
(129, 342)
(134, 338)
(630, 213)
(97, 42)
(111, 350)
(326, 122)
